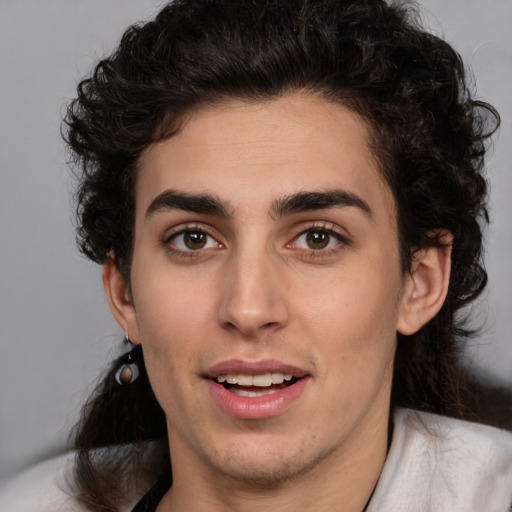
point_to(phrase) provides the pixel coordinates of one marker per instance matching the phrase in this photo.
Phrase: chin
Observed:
(266, 467)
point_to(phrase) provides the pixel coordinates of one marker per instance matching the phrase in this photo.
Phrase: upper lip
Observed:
(243, 367)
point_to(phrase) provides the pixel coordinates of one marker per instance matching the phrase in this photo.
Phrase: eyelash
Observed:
(189, 254)
(328, 229)
(310, 253)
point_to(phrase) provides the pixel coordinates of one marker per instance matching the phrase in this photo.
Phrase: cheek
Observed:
(171, 320)
(354, 308)
(170, 326)
(169, 305)
(351, 322)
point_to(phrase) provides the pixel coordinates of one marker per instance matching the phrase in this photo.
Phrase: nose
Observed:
(253, 295)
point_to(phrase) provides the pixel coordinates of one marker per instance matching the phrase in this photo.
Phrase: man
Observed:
(286, 198)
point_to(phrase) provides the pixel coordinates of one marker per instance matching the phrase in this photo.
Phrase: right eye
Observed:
(192, 240)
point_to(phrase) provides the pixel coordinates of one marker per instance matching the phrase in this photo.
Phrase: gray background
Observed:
(56, 333)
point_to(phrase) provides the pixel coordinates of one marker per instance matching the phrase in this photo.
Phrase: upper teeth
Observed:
(262, 380)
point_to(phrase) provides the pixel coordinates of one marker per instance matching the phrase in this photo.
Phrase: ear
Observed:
(120, 300)
(426, 285)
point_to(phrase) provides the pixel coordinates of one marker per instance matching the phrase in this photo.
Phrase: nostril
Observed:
(250, 326)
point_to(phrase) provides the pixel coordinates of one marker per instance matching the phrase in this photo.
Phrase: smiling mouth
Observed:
(255, 385)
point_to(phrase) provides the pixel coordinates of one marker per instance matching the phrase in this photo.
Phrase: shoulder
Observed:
(126, 472)
(461, 440)
(42, 488)
(440, 464)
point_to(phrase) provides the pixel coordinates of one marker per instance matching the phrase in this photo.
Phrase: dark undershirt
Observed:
(152, 498)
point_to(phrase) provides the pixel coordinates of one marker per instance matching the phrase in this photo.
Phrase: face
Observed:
(266, 287)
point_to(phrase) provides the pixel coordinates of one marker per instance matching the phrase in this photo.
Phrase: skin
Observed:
(258, 289)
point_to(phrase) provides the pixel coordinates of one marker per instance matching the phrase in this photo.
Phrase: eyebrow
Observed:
(209, 204)
(318, 200)
(198, 203)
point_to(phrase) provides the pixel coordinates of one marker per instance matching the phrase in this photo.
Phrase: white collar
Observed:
(440, 464)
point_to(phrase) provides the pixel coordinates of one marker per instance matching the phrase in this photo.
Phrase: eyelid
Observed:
(327, 227)
(181, 229)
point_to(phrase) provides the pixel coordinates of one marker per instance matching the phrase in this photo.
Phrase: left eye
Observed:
(317, 239)
(193, 240)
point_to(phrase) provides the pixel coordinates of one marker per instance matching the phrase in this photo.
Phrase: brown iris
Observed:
(318, 239)
(195, 239)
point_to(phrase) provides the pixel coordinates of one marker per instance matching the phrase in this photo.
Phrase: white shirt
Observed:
(439, 464)
(435, 464)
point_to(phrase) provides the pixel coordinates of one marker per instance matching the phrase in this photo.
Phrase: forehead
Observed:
(251, 153)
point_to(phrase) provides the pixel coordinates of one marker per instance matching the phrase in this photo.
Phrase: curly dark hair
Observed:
(428, 135)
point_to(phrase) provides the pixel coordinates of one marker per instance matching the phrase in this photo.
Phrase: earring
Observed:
(128, 372)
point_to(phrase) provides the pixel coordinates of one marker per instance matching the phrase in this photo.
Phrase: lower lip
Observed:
(258, 407)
